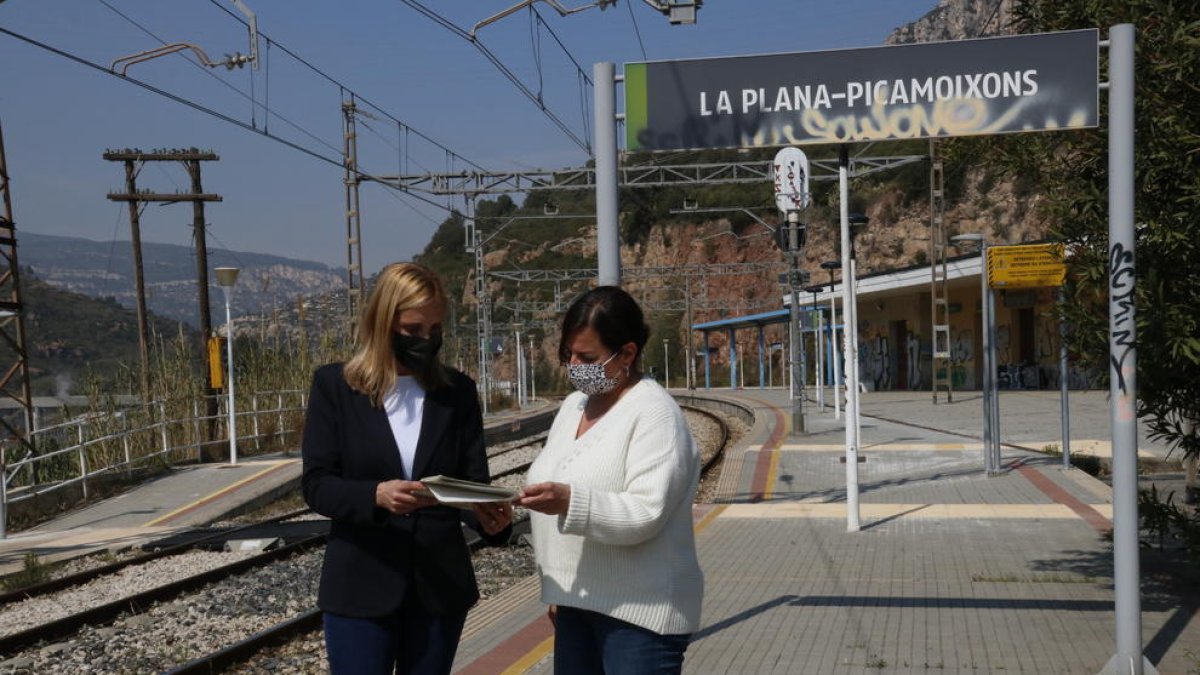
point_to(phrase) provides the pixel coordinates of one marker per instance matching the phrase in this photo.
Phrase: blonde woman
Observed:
(397, 580)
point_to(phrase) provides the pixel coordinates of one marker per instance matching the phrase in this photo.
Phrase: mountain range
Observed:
(105, 270)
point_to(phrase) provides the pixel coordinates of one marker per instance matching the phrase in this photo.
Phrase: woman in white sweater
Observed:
(612, 495)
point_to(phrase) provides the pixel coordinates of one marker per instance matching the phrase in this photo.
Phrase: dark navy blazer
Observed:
(374, 558)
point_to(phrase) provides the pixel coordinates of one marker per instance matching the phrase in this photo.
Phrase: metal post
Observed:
(1123, 355)
(666, 367)
(820, 356)
(608, 247)
(229, 377)
(734, 358)
(1063, 385)
(532, 373)
(837, 367)
(690, 352)
(857, 401)
(771, 366)
(995, 401)
(763, 357)
(988, 368)
(794, 355)
(520, 377)
(850, 342)
(707, 364)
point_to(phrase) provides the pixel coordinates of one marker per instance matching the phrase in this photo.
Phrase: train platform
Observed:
(952, 571)
(182, 498)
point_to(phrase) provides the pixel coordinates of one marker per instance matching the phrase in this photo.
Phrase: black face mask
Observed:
(416, 353)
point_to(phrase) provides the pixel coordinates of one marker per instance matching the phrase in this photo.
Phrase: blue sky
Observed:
(58, 116)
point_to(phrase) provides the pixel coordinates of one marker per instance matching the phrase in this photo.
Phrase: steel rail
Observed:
(108, 612)
(85, 576)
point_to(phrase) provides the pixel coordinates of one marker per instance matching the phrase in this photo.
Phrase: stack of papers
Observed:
(464, 493)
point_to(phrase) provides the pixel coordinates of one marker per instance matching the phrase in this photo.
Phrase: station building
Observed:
(895, 335)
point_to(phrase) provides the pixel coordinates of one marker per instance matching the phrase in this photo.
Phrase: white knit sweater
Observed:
(625, 547)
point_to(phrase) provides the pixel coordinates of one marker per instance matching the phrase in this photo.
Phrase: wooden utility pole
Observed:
(135, 236)
(191, 159)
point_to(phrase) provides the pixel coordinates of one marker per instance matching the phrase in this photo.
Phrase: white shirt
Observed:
(625, 546)
(404, 405)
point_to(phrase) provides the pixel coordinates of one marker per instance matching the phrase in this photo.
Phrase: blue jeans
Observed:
(587, 642)
(409, 642)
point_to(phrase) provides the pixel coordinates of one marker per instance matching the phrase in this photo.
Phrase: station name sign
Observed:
(966, 87)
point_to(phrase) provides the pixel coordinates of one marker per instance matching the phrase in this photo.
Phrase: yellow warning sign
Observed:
(1026, 266)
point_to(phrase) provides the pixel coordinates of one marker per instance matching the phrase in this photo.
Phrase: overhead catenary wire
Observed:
(504, 70)
(332, 80)
(335, 161)
(585, 82)
(637, 31)
(268, 112)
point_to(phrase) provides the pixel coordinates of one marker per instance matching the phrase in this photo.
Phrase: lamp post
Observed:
(666, 367)
(226, 279)
(987, 306)
(830, 266)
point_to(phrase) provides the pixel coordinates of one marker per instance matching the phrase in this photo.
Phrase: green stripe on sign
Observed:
(635, 104)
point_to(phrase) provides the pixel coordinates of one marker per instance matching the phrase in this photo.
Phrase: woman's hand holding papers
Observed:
(401, 496)
(493, 516)
(551, 499)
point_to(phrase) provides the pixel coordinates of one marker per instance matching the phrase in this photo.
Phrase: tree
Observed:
(1072, 169)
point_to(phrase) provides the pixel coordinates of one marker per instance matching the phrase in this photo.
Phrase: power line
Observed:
(358, 97)
(499, 65)
(230, 86)
(637, 31)
(335, 161)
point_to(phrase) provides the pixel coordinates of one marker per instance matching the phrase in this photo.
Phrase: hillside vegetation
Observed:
(69, 336)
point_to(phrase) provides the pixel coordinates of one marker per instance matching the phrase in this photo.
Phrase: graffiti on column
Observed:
(1120, 290)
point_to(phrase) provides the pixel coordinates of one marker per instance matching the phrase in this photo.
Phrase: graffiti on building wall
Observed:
(962, 352)
(1004, 344)
(913, 346)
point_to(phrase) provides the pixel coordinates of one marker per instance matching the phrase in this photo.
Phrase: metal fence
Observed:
(161, 433)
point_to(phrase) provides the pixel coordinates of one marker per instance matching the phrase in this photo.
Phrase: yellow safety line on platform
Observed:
(531, 657)
(883, 447)
(218, 493)
(772, 472)
(709, 517)
(837, 510)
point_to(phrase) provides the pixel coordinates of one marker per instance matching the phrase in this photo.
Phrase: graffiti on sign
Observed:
(965, 87)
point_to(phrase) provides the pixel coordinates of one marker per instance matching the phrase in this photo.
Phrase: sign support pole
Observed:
(989, 367)
(994, 403)
(850, 346)
(608, 247)
(1063, 381)
(1123, 356)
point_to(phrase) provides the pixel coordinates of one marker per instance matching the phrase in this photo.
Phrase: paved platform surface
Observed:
(952, 571)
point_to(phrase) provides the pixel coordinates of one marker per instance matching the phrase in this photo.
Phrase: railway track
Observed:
(303, 622)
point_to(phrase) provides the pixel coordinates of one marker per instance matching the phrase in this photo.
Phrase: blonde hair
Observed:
(372, 369)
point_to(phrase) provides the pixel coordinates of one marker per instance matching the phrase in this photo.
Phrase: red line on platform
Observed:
(1051, 489)
(762, 466)
(511, 650)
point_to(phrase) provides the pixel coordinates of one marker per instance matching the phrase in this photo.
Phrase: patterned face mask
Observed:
(590, 378)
